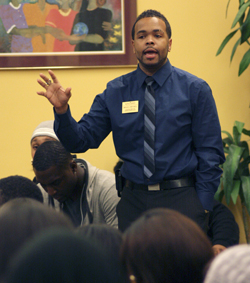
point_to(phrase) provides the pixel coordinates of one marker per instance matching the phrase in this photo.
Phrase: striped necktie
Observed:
(149, 128)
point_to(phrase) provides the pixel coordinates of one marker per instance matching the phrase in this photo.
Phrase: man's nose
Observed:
(150, 39)
(51, 191)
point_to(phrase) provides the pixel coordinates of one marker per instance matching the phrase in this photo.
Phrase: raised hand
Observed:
(54, 92)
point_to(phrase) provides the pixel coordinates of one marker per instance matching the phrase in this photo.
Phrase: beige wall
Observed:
(198, 29)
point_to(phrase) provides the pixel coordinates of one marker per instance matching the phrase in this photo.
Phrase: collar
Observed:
(160, 76)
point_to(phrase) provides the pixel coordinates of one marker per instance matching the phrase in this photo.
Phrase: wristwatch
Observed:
(206, 211)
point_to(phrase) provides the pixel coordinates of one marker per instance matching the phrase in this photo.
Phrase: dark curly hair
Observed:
(18, 186)
(150, 14)
(51, 153)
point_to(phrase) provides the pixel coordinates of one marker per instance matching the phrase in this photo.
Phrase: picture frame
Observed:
(80, 59)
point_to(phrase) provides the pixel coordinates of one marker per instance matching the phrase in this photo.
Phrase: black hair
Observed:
(21, 220)
(150, 14)
(18, 186)
(51, 153)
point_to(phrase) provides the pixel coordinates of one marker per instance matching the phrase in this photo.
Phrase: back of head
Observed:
(18, 186)
(150, 14)
(230, 266)
(51, 153)
(107, 236)
(59, 256)
(165, 246)
(20, 220)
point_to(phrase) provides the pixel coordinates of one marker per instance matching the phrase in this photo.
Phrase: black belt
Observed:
(165, 185)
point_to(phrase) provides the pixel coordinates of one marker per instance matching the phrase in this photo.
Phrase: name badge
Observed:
(130, 107)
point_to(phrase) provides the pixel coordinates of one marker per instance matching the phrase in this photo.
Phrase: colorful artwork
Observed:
(44, 29)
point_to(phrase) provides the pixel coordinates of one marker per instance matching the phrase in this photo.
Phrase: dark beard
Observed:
(153, 67)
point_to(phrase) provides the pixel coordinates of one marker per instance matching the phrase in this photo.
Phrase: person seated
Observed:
(107, 237)
(20, 220)
(18, 186)
(43, 132)
(163, 245)
(60, 256)
(85, 193)
(223, 230)
(230, 266)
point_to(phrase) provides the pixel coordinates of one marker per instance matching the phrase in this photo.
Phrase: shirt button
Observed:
(148, 180)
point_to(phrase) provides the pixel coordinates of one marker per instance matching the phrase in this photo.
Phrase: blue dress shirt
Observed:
(187, 136)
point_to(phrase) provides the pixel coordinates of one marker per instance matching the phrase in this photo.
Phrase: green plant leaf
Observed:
(234, 48)
(229, 169)
(237, 130)
(244, 144)
(241, 2)
(235, 191)
(246, 191)
(244, 62)
(225, 41)
(229, 136)
(243, 169)
(245, 29)
(228, 6)
(246, 132)
(239, 125)
(240, 13)
(237, 135)
(220, 193)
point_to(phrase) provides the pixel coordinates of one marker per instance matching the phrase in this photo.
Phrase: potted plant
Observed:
(242, 18)
(235, 180)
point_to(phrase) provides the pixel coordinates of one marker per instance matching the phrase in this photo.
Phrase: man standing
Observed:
(166, 130)
(85, 193)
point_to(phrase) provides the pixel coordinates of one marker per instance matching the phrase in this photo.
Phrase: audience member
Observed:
(230, 266)
(43, 132)
(20, 220)
(107, 237)
(165, 246)
(223, 229)
(86, 193)
(18, 186)
(59, 256)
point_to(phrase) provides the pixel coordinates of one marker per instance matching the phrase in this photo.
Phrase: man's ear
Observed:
(73, 166)
(133, 45)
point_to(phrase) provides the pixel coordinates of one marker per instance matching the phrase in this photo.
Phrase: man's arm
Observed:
(90, 131)
(109, 200)
(223, 229)
(208, 147)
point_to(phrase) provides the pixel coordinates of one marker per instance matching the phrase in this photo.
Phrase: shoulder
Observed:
(187, 77)
(98, 177)
(122, 81)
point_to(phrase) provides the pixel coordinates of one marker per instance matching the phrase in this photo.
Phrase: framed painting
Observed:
(66, 33)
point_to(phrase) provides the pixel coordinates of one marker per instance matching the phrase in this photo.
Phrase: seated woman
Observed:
(165, 246)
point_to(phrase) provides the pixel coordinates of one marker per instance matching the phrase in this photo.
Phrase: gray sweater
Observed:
(99, 205)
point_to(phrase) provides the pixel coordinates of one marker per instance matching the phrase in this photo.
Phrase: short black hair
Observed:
(18, 187)
(150, 14)
(51, 153)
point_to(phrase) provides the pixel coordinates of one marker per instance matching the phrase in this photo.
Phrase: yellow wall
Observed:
(198, 29)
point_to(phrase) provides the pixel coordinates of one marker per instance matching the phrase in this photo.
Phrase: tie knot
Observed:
(149, 80)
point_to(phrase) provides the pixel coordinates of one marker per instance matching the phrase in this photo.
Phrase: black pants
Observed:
(134, 202)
